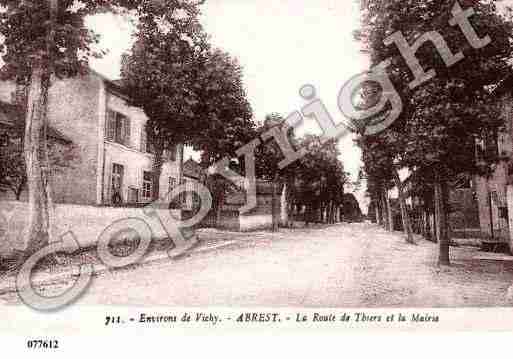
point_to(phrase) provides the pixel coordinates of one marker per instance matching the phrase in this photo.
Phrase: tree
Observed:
(42, 40)
(378, 171)
(317, 180)
(443, 117)
(159, 75)
(267, 158)
(192, 94)
(382, 157)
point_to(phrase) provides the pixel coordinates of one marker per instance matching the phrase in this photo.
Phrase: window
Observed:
(133, 195)
(117, 183)
(172, 183)
(174, 201)
(117, 128)
(184, 193)
(147, 188)
(146, 145)
(144, 139)
(172, 154)
(491, 146)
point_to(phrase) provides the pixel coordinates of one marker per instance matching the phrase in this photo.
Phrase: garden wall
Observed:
(86, 223)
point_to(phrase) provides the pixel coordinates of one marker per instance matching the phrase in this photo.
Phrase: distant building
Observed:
(464, 210)
(259, 217)
(495, 194)
(351, 211)
(193, 174)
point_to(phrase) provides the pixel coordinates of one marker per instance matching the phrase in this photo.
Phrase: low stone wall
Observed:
(85, 222)
(231, 220)
(255, 222)
(509, 195)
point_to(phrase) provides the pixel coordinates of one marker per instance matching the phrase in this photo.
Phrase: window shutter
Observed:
(108, 183)
(110, 126)
(144, 139)
(126, 134)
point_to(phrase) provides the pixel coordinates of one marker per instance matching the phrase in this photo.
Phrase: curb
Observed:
(99, 269)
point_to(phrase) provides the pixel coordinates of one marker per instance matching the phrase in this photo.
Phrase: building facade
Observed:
(113, 163)
(495, 193)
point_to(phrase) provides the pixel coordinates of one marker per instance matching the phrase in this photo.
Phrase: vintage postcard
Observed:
(184, 166)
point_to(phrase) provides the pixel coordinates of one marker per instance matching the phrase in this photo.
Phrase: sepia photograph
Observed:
(248, 164)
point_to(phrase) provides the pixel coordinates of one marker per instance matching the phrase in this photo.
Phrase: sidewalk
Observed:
(62, 273)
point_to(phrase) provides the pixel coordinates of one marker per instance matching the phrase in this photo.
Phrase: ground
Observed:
(345, 265)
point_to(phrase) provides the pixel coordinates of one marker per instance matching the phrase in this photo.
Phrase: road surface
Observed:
(346, 265)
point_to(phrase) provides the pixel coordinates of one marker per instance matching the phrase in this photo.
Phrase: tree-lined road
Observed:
(357, 265)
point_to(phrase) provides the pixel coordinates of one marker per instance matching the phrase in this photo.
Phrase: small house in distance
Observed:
(259, 217)
(230, 217)
(351, 209)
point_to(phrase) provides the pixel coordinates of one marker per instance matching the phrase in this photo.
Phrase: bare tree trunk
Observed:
(287, 205)
(284, 207)
(158, 161)
(427, 226)
(441, 222)
(274, 204)
(423, 227)
(180, 163)
(389, 212)
(386, 208)
(379, 210)
(39, 195)
(404, 209)
(384, 213)
(308, 214)
(20, 188)
(180, 179)
(38, 233)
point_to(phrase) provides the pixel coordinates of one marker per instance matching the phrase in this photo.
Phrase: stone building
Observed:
(259, 217)
(114, 162)
(13, 183)
(495, 193)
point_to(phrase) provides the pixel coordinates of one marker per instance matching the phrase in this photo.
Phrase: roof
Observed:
(58, 135)
(115, 86)
(193, 169)
(11, 115)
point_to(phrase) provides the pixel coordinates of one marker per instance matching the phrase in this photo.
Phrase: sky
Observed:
(281, 45)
